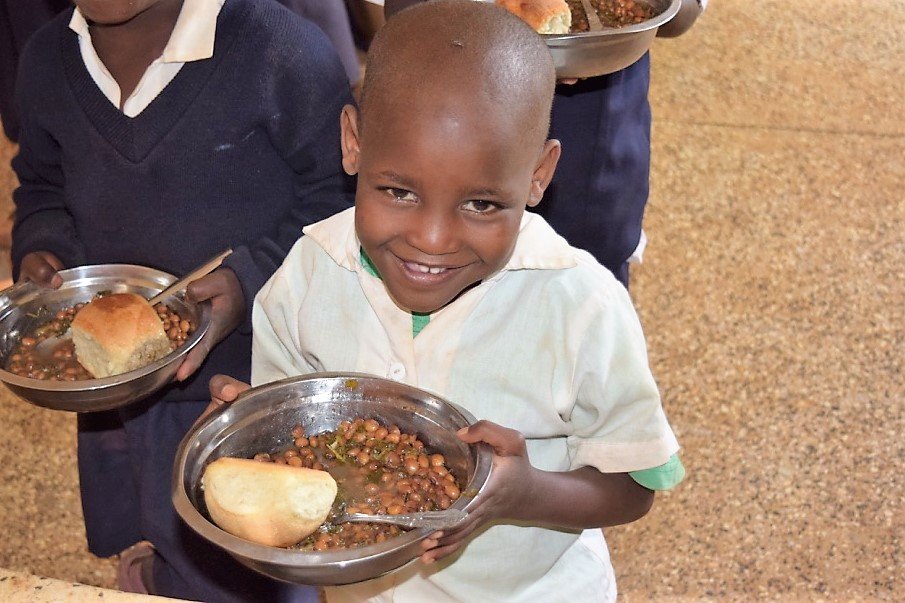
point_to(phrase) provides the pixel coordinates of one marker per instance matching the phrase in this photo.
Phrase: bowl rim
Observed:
(558, 40)
(88, 385)
(267, 555)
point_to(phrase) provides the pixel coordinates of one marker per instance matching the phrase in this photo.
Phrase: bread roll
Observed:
(274, 505)
(545, 16)
(118, 333)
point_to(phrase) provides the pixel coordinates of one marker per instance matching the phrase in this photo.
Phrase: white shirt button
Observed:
(397, 371)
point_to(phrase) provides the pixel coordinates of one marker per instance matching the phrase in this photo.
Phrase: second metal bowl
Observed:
(606, 50)
(26, 306)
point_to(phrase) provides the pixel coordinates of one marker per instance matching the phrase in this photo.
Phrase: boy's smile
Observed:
(442, 187)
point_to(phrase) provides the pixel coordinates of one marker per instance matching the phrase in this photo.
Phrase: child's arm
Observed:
(44, 235)
(517, 491)
(306, 91)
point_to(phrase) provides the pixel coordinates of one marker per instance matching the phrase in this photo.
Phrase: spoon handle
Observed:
(195, 274)
(435, 520)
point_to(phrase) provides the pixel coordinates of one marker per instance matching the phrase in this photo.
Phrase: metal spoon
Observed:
(436, 520)
(202, 270)
(47, 346)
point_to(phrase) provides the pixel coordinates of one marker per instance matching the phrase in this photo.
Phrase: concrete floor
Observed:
(773, 298)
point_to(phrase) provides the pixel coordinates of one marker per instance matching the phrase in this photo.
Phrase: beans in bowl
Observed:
(378, 470)
(60, 364)
(612, 13)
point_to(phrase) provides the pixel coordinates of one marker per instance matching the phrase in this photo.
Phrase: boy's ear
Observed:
(349, 140)
(543, 173)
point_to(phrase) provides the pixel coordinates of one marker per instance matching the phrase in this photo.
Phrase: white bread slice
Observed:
(118, 333)
(274, 505)
(545, 16)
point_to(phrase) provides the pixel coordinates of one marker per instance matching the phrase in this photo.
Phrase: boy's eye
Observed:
(400, 194)
(481, 207)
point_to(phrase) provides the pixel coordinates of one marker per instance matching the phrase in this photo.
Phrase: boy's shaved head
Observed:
(450, 146)
(447, 52)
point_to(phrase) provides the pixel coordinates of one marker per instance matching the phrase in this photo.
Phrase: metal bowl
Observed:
(25, 306)
(261, 421)
(605, 50)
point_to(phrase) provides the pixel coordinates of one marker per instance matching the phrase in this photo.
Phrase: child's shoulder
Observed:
(40, 62)
(46, 40)
(587, 286)
(270, 25)
(560, 270)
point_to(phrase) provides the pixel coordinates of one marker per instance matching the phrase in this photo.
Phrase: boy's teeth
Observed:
(425, 269)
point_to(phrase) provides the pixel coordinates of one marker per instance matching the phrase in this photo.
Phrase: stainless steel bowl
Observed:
(26, 306)
(605, 50)
(261, 421)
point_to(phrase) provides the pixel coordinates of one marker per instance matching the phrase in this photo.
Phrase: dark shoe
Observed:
(134, 570)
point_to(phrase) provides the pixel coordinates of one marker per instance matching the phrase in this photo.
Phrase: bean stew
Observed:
(378, 470)
(612, 13)
(60, 363)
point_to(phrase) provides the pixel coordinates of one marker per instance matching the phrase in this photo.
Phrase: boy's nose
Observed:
(434, 233)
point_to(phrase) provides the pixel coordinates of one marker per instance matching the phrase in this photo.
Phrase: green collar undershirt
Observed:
(419, 320)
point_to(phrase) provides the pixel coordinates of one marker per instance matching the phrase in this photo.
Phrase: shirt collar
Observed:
(193, 35)
(538, 246)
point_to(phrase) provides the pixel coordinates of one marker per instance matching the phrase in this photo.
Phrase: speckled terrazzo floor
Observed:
(773, 297)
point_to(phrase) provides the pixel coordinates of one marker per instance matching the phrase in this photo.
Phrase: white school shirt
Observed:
(550, 345)
(192, 40)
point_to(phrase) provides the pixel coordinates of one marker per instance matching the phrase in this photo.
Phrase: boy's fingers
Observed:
(226, 388)
(194, 359)
(41, 267)
(203, 288)
(222, 281)
(504, 440)
(439, 553)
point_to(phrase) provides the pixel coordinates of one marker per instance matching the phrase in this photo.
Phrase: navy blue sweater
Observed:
(240, 150)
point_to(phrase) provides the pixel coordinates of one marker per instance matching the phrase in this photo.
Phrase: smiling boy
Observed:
(439, 278)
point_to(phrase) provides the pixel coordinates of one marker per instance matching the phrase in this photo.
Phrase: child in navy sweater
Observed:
(160, 132)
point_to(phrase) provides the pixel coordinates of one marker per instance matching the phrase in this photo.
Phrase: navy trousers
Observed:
(597, 197)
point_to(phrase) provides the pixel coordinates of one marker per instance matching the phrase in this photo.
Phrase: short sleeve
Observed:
(618, 419)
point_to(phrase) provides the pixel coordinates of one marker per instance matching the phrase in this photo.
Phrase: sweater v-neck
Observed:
(135, 137)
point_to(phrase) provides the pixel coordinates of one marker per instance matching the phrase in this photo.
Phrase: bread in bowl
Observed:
(267, 503)
(545, 16)
(118, 333)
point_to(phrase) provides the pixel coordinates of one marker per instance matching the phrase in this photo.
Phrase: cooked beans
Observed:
(60, 364)
(612, 13)
(377, 470)
(619, 13)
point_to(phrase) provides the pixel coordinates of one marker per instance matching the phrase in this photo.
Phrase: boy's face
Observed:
(441, 193)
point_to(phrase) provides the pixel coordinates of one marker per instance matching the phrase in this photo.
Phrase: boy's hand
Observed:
(227, 310)
(41, 267)
(224, 390)
(509, 487)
